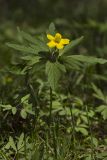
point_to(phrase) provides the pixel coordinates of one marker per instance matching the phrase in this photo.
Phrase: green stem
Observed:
(25, 148)
(53, 129)
(86, 82)
(55, 141)
(91, 140)
(50, 110)
(35, 101)
(73, 134)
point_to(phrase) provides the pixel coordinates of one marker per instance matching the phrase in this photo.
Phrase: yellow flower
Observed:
(57, 41)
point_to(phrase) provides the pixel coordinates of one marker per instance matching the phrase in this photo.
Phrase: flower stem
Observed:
(53, 127)
(73, 135)
(86, 83)
(34, 96)
(91, 136)
(50, 109)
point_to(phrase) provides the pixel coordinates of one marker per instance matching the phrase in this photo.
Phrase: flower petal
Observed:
(50, 37)
(51, 44)
(58, 36)
(65, 41)
(59, 45)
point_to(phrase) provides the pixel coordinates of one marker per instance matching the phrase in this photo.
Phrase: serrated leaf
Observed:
(20, 143)
(23, 48)
(53, 71)
(28, 37)
(78, 101)
(7, 146)
(25, 98)
(3, 155)
(95, 141)
(88, 59)
(104, 113)
(17, 71)
(41, 46)
(37, 44)
(31, 60)
(91, 113)
(103, 110)
(99, 94)
(71, 63)
(71, 45)
(12, 143)
(84, 118)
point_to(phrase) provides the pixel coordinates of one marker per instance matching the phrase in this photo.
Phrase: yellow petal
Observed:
(58, 36)
(51, 44)
(59, 45)
(65, 41)
(50, 37)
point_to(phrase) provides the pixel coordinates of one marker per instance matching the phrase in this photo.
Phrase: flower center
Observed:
(57, 39)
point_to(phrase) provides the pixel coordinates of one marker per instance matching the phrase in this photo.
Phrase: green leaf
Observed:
(103, 110)
(95, 141)
(71, 63)
(20, 143)
(99, 94)
(41, 46)
(7, 146)
(84, 118)
(52, 28)
(25, 98)
(78, 101)
(16, 70)
(14, 110)
(4, 156)
(88, 157)
(30, 111)
(28, 108)
(54, 71)
(82, 130)
(28, 37)
(12, 143)
(91, 113)
(37, 43)
(102, 155)
(23, 48)
(71, 45)
(6, 107)
(88, 59)
(31, 59)
(104, 113)
(23, 113)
